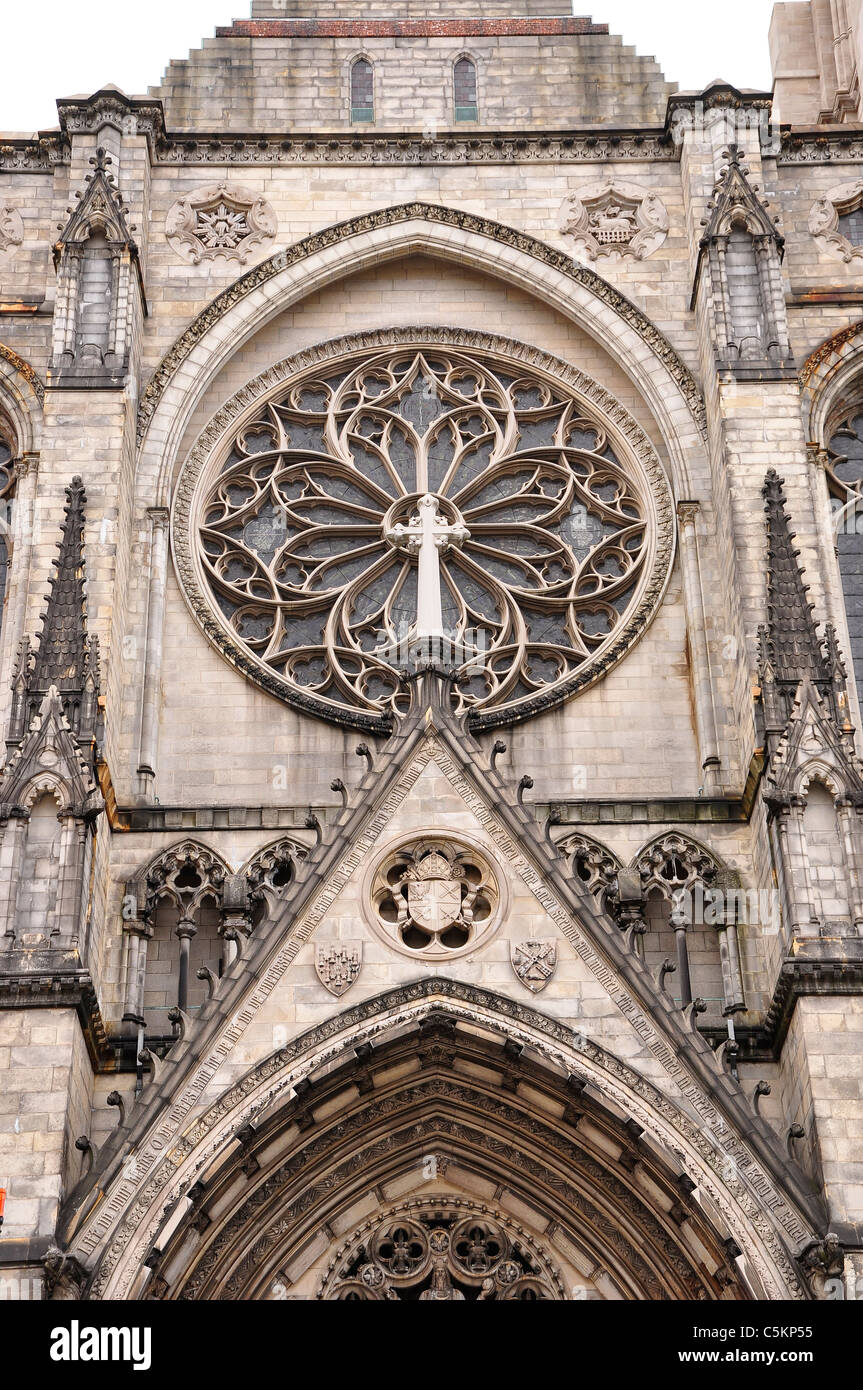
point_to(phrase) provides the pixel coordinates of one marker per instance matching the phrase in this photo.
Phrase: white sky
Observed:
(53, 48)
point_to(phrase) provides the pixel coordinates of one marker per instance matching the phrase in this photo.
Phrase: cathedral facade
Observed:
(431, 825)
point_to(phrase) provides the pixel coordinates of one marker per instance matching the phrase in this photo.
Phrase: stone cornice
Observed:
(128, 115)
(823, 967)
(559, 25)
(27, 155)
(412, 147)
(815, 145)
(36, 980)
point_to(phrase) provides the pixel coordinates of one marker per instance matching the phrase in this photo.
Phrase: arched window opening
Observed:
(269, 876)
(464, 90)
(94, 314)
(684, 917)
(362, 92)
(183, 907)
(827, 870)
(748, 316)
(845, 481)
(40, 873)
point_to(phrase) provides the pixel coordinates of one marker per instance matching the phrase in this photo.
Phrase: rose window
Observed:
(435, 897)
(419, 505)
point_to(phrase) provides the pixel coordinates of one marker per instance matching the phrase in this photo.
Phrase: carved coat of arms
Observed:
(434, 895)
(338, 964)
(534, 962)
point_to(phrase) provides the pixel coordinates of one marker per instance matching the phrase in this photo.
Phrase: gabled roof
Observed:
(735, 202)
(100, 208)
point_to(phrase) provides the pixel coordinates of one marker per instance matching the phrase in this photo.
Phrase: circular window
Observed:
(435, 897)
(421, 502)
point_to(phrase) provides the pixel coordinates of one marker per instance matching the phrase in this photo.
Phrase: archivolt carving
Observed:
(567, 1181)
(167, 1162)
(565, 513)
(222, 219)
(611, 218)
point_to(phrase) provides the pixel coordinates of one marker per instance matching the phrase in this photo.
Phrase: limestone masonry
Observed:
(431, 540)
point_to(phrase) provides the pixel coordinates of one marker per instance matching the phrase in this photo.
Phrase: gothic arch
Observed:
(235, 315)
(147, 1201)
(826, 378)
(22, 393)
(699, 859)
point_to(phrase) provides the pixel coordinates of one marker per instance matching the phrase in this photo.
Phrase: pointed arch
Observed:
(465, 87)
(361, 94)
(22, 393)
(438, 1018)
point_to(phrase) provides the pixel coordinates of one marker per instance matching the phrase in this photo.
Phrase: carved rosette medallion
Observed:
(534, 962)
(615, 219)
(222, 219)
(836, 223)
(11, 229)
(436, 897)
(338, 964)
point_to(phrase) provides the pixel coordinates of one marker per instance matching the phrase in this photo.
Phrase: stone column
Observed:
(148, 745)
(702, 683)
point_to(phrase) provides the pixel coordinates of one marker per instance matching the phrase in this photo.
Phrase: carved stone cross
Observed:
(426, 536)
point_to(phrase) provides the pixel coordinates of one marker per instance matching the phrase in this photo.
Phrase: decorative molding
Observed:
(34, 156)
(164, 1171)
(23, 368)
(612, 218)
(422, 1215)
(447, 901)
(111, 107)
(369, 148)
(54, 979)
(386, 217)
(815, 147)
(221, 220)
(824, 217)
(633, 443)
(170, 1153)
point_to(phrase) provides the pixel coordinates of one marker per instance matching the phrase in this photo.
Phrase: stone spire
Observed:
(65, 657)
(790, 649)
(62, 653)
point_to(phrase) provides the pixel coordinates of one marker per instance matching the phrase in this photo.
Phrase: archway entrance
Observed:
(445, 1163)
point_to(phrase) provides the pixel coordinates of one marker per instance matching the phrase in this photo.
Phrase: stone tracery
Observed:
(543, 522)
(440, 1251)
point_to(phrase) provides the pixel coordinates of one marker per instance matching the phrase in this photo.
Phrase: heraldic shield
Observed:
(435, 903)
(534, 962)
